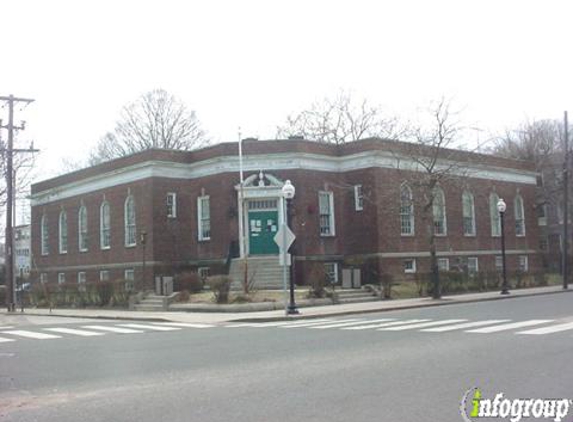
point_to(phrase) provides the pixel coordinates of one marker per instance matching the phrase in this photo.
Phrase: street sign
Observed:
(279, 238)
(282, 258)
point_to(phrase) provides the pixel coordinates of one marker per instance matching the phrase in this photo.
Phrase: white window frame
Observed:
(331, 272)
(104, 275)
(406, 216)
(43, 278)
(358, 198)
(542, 214)
(129, 274)
(523, 263)
(61, 278)
(474, 259)
(326, 230)
(439, 208)
(494, 217)
(472, 215)
(104, 226)
(498, 263)
(45, 246)
(203, 221)
(63, 232)
(519, 219)
(129, 220)
(444, 264)
(81, 281)
(203, 273)
(83, 229)
(411, 270)
(171, 204)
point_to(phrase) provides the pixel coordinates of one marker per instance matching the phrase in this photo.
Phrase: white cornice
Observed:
(268, 162)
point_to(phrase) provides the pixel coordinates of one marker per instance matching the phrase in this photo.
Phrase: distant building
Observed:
(22, 251)
(354, 208)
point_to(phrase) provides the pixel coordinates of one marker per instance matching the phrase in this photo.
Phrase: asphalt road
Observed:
(346, 369)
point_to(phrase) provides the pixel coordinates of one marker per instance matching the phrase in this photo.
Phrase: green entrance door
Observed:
(263, 226)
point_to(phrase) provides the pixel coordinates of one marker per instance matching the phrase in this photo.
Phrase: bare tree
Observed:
(339, 120)
(156, 120)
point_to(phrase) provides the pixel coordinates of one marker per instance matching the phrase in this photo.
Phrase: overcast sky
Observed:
(251, 63)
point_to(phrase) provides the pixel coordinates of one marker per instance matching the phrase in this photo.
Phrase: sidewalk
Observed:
(310, 312)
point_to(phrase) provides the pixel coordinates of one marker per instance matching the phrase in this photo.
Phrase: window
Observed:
(104, 226)
(443, 264)
(472, 265)
(522, 263)
(43, 278)
(61, 278)
(44, 235)
(499, 263)
(326, 213)
(63, 231)
(331, 272)
(469, 219)
(82, 281)
(560, 211)
(439, 212)
(104, 275)
(203, 273)
(358, 198)
(519, 216)
(406, 211)
(542, 214)
(409, 265)
(172, 205)
(204, 217)
(494, 215)
(129, 221)
(129, 276)
(544, 244)
(83, 229)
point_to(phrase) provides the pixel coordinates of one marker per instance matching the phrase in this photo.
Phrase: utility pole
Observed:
(9, 240)
(566, 204)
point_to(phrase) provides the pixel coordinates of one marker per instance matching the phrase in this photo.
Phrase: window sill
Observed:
(205, 239)
(407, 234)
(105, 248)
(470, 235)
(131, 246)
(328, 235)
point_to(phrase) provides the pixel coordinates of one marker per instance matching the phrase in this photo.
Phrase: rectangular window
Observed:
(104, 226)
(129, 276)
(82, 281)
(326, 213)
(544, 244)
(523, 264)
(542, 214)
(358, 198)
(61, 278)
(409, 266)
(43, 278)
(104, 275)
(443, 264)
(172, 205)
(499, 263)
(203, 273)
(204, 218)
(472, 265)
(331, 272)
(44, 235)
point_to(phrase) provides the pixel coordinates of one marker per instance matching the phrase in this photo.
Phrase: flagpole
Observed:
(242, 236)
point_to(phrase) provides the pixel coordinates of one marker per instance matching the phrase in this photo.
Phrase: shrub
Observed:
(105, 292)
(121, 291)
(386, 281)
(183, 296)
(189, 281)
(220, 286)
(317, 280)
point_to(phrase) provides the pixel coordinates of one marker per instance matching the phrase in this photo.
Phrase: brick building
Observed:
(355, 206)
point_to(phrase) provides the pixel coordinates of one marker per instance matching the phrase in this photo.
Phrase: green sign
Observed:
(263, 226)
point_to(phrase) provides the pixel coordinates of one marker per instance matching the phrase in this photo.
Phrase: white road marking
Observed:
(74, 331)
(31, 334)
(549, 330)
(465, 325)
(348, 324)
(314, 323)
(274, 323)
(7, 327)
(149, 327)
(421, 325)
(511, 326)
(386, 324)
(5, 340)
(117, 330)
(183, 324)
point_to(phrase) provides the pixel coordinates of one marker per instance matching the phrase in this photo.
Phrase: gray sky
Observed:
(250, 63)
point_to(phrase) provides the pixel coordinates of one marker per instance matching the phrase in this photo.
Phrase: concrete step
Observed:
(150, 308)
(358, 299)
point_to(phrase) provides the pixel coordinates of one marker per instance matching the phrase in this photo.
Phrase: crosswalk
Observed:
(9, 334)
(425, 325)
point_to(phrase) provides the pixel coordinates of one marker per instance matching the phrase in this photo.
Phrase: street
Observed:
(409, 365)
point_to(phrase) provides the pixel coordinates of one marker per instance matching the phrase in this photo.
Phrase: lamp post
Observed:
(288, 191)
(143, 242)
(501, 207)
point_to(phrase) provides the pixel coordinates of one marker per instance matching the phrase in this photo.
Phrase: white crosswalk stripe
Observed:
(31, 334)
(348, 324)
(149, 327)
(75, 332)
(7, 327)
(464, 325)
(116, 330)
(275, 323)
(421, 325)
(510, 326)
(314, 323)
(183, 324)
(549, 330)
(5, 340)
(385, 324)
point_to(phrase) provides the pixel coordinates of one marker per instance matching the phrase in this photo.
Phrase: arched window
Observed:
(104, 226)
(83, 229)
(44, 235)
(406, 211)
(63, 232)
(519, 216)
(439, 212)
(129, 221)
(494, 215)
(469, 218)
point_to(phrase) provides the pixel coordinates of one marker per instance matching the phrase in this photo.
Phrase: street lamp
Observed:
(501, 207)
(288, 191)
